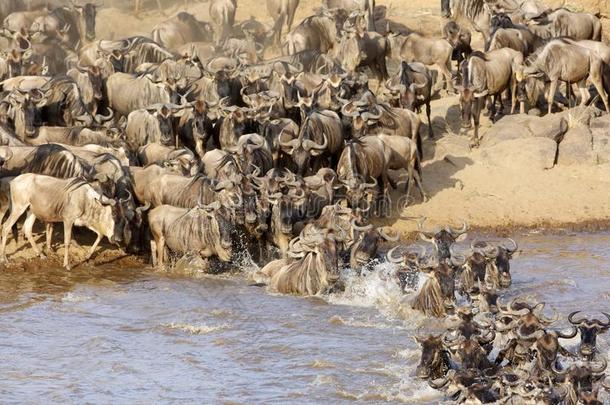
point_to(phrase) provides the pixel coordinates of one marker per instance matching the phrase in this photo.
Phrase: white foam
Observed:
(195, 329)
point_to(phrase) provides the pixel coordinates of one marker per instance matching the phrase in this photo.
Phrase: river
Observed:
(116, 335)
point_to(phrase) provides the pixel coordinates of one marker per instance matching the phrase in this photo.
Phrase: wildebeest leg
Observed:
(67, 242)
(160, 251)
(160, 8)
(446, 72)
(492, 107)
(476, 116)
(420, 185)
(513, 95)
(16, 212)
(551, 96)
(48, 235)
(98, 239)
(153, 252)
(430, 131)
(597, 80)
(27, 230)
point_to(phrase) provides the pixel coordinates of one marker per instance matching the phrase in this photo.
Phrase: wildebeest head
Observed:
(14, 61)
(199, 124)
(365, 245)
(504, 254)
(443, 238)
(284, 213)
(95, 77)
(111, 218)
(304, 147)
(357, 193)
(589, 329)
(88, 13)
(470, 354)
(581, 378)
(446, 8)
(220, 227)
(349, 53)
(255, 217)
(434, 361)
(547, 347)
(25, 105)
(164, 117)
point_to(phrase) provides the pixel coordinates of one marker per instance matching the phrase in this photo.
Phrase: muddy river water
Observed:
(109, 335)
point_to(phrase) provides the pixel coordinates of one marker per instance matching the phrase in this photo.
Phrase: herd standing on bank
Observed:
(195, 140)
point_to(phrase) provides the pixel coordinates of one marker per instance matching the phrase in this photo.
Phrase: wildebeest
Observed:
(473, 11)
(80, 21)
(127, 93)
(317, 32)
(412, 85)
(435, 360)
(566, 23)
(182, 159)
(368, 50)
(311, 269)
(153, 124)
(429, 51)
(222, 14)
(89, 81)
(589, 329)
(70, 201)
(560, 60)
(180, 30)
(202, 230)
(365, 6)
(488, 74)
(442, 238)
(277, 8)
(320, 138)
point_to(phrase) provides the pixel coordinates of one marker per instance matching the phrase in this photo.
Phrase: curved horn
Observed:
(547, 320)
(125, 200)
(559, 372)
(370, 185)
(101, 118)
(602, 324)
(572, 321)
(319, 146)
(361, 228)
(145, 208)
(390, 256)
(513, 247)
(387, 237)
(457, 232)
(601, 368)
(483, 340)
(568, 335)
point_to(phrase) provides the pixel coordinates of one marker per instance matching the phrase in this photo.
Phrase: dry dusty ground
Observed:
(460, 185)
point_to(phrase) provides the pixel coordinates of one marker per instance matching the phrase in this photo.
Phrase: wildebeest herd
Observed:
(193, 141)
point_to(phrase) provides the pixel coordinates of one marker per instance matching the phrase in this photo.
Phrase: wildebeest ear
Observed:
(515, 254)
(462, 237)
